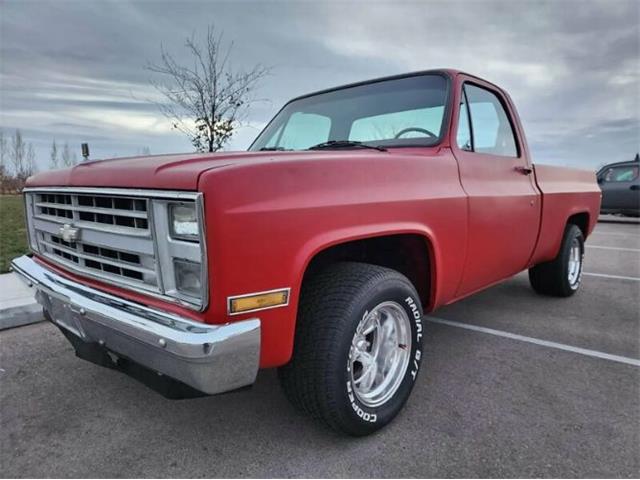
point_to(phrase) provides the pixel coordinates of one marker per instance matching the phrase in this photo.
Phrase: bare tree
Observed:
(67, 157)
(4, 171)
(53, 156)
(30, 166)
(18, 153)
(3, 150)
(207, 100)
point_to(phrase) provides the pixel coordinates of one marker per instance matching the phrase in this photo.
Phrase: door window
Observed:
(620, 174)
(492, 131)
(463, 137)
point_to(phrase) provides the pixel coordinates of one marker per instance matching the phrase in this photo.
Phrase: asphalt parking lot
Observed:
(486, 404)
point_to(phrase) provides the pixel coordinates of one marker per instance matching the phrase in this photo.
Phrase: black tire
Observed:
(552, 278)
(317, 380)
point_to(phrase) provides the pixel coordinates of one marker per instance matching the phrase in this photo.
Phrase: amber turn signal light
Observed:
(258, 301)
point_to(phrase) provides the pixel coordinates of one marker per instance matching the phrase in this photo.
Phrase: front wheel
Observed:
(357, 349)
(561, 276)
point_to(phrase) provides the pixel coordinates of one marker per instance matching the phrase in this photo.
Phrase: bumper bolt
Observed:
(101, 343)
(82, 312)
(162, 342)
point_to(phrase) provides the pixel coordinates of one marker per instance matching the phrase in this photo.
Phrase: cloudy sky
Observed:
(74, 70)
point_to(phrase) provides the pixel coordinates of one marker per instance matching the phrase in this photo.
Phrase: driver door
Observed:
(503, 202)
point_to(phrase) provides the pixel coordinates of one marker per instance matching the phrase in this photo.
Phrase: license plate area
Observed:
(62, 313)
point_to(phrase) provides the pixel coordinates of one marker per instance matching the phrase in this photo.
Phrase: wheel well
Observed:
(405, 253)
(581, 220)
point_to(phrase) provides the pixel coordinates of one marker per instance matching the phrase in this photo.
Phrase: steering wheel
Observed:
(415, 129)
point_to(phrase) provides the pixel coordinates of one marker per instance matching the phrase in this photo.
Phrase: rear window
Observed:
(405, 124)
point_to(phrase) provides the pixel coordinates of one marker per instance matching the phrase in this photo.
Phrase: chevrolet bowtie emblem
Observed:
(68, 233)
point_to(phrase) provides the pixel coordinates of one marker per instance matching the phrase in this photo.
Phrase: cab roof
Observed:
(449, 73)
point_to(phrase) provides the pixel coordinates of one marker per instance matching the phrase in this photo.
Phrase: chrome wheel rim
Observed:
(379, 353)
(575, 262)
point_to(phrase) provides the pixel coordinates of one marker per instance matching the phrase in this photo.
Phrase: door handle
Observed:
(524, 170)
(634, 187)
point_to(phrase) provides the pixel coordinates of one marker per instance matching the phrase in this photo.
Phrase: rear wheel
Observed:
(561, 277)
(358, 347)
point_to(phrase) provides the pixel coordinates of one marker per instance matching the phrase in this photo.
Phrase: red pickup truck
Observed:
(355, 210)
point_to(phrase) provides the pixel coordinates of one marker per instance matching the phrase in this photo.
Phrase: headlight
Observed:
(188, 277)
(181, 246)
(183, 221)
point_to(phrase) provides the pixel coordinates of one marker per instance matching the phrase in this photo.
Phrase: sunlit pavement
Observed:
(544, 387)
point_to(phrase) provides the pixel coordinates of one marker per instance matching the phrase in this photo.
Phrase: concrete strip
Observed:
(622, 249)
(617, 219)
(17, 303)
(19, 316)
(616, 234)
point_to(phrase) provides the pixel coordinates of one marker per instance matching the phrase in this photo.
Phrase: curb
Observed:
(19, 316)
(17, 303)
(619, 220)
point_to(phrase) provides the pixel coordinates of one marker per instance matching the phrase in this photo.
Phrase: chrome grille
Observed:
(120, 236)
(105, 210)
(115, 241)
(101, 259)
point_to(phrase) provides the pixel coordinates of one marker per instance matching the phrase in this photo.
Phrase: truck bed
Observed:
(565, 192)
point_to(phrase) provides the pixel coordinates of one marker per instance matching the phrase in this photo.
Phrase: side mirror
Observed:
(600, 180)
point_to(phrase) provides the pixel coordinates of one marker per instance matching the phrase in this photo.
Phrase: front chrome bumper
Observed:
(209, 358)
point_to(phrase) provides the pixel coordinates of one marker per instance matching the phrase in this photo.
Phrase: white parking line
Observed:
(536, 341)
(622, 249)
(605, 275)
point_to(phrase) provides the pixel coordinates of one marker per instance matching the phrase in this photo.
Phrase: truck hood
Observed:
(173, 171)
(170, 172)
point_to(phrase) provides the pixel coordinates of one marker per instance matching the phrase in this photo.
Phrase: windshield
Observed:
(398, 112)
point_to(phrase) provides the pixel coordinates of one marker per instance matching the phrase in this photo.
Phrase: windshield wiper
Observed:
(344, 144)
(272, 149)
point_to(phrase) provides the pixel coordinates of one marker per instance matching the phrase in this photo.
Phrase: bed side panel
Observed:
(565, 192)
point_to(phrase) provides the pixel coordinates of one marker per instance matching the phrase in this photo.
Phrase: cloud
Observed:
(74, 70)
